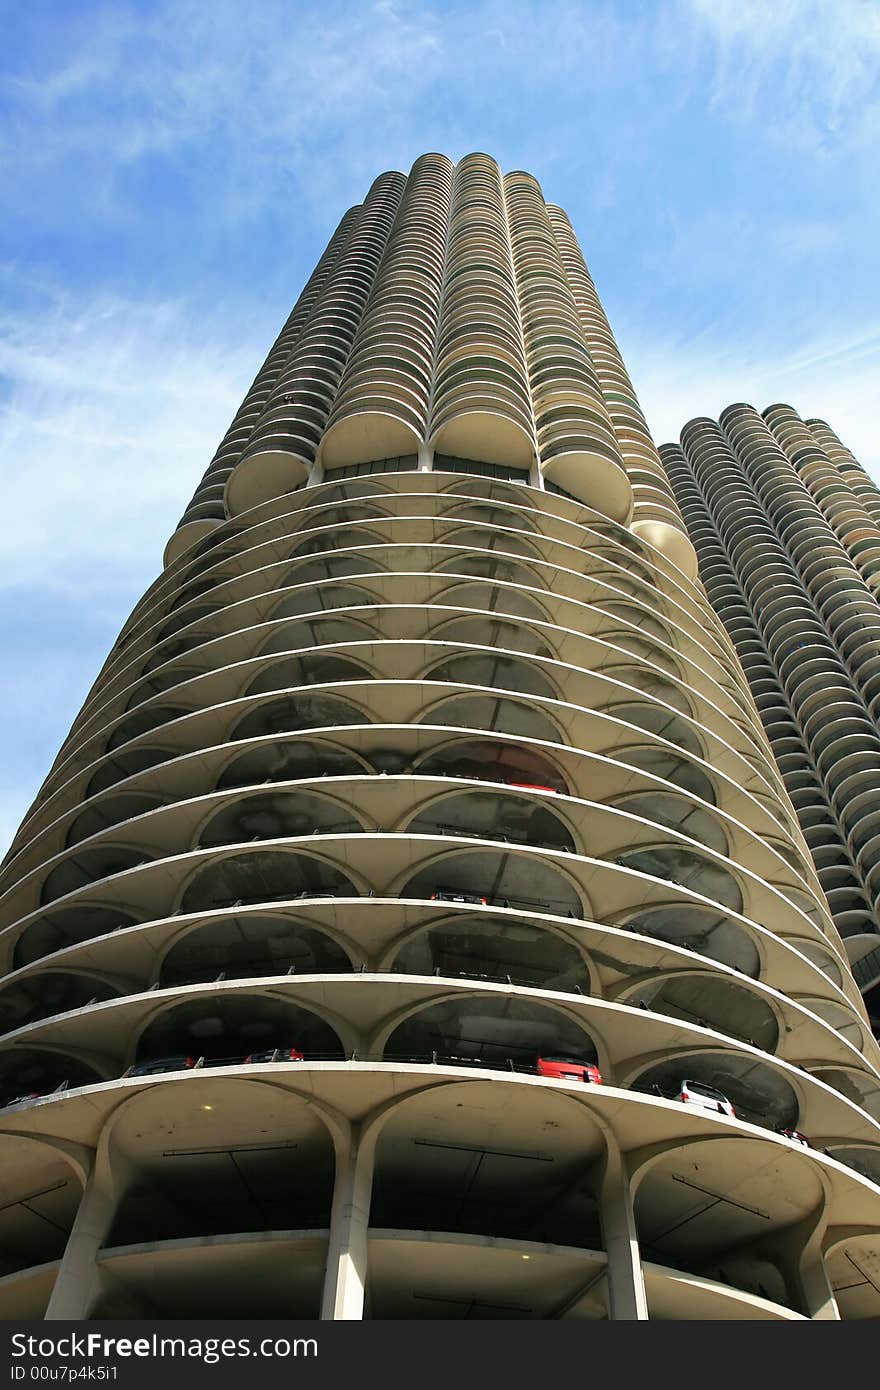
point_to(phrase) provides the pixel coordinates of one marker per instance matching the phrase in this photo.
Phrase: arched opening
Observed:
(114, 810)
(710, 933)
(488, 1031)
(324, 598)
(39, 1196)
(221, 1157)
(471, 537)
(676, 813)
(485, 760)
(495, 949)
(485, 631)
(494, 816)
(491, 566)
(335, 539)
(277, 816)
(317, 632)
(67, 927)
(162, 681)
(289, 762)
(492, 598)
(712, 1210)
(237, 1029)
(487, 514)
(654, 719)
(492, 878)
(28, 1072)
(126, 765)
(186, 616)
(261, 876)
(346, 491)
(332, 566)
(759, 1094)
(249, 946)
(662, 762)
(858, 1086)
(680, 866)
(485, 1160)
(142, 722)
(291, 713)
(314, 668)
(493, 670)
(712, 1001)
(52, 992)
(494, 713)
(88, 866)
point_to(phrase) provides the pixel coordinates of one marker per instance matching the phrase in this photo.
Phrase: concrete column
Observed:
(799, 1255)
(346, 1272)
(807, 1264)
(78, 1281)
(626, 1285)
(818, 1297)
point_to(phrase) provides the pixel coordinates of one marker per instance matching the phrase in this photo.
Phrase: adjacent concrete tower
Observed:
(786, 524)
(423, 789)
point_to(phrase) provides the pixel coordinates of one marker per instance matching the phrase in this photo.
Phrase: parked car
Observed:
(446, 896)
(796, 1137)
(568, 1069)
(154, 1065)
(697, 1093)
(276, 1054)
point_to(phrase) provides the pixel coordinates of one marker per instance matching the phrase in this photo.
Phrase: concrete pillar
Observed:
(799, 1255)
(346, 1272)
(78, 1281)
(626, 1285)
(816, 1292)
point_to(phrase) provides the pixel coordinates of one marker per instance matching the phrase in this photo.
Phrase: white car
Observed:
(697, 1093)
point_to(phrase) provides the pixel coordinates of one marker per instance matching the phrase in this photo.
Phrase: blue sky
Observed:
(170, 171)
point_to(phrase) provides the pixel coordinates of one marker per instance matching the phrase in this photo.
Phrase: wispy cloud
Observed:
(830, 378)
(112, 410)
(814, 62)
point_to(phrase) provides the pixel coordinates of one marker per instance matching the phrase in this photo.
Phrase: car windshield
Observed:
(700, 1090)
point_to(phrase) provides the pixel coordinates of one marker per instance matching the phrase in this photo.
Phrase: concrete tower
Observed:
(786, 525)
(423, 788)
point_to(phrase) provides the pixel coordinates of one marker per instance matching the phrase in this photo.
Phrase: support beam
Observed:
(78, 1281)
(347, 1250)
(627, 1299)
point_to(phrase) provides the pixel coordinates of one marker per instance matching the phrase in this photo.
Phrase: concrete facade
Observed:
(427, 757)
(786, 525)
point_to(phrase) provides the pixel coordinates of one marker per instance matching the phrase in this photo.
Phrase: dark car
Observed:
(154, 1065)
(276, 1054)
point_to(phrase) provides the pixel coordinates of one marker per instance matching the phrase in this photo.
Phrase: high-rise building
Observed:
(786, 525)
(415, 923)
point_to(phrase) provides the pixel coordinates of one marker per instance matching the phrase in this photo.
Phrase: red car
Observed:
(564, 1069)
(796, 1137)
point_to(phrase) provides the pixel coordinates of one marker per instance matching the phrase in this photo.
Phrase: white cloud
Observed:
(113, 410)
(813, 62)
(834, 380)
